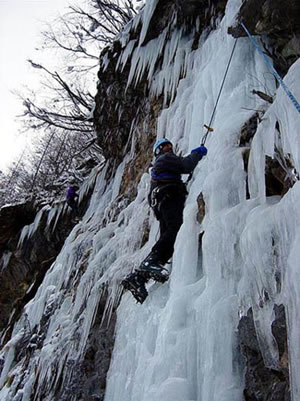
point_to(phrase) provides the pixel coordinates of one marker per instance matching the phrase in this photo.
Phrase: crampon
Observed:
(135, 283)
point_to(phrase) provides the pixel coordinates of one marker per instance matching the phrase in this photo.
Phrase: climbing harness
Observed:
(272, 69)
(209, 126)
(162, 192)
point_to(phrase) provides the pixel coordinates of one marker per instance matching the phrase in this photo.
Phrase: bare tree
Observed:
(62, 108)
(67, 107)
(45, 173)
(84, 31)
(79, 35)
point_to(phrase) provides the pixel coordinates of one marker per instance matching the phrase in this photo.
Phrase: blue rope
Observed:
(272, 69)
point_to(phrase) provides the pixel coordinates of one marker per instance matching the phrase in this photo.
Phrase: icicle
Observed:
(126, 54)
(28, 231)
(9, 349)
(146, 17)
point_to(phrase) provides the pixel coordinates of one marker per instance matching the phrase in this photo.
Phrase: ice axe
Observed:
(208, 129)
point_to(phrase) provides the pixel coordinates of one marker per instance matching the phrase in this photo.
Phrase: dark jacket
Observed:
(170, 166)
(71, 195)
(166, 175)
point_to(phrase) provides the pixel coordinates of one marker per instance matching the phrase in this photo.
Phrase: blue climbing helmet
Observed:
(157, 148)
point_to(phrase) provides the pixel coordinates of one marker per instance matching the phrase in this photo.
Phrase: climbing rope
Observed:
(208, 127)
(272, 69)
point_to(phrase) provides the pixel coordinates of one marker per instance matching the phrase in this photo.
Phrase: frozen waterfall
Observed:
(181, 344)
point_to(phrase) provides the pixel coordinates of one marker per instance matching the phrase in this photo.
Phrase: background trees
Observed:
(59, 113)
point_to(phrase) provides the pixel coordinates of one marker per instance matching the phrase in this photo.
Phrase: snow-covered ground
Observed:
(181, 344)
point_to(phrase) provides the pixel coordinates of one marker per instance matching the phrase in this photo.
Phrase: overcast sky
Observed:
(21, 22)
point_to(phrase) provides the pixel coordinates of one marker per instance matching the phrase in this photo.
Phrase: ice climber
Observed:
(72, 201)
(166, 198)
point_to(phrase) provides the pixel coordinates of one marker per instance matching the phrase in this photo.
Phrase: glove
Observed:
(202, 150)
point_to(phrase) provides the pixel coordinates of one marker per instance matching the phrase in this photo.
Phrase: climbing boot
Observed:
(135, 283)
(152, 268)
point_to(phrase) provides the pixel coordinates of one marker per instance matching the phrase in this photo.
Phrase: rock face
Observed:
(280, 174)
(23, 267)
(117, 111)
(279, 26)
(12, 219)
(14, 270)
(119, 107)
(263, 383)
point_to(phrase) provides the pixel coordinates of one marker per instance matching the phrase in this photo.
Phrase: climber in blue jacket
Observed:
(166, 198)
(72, 201)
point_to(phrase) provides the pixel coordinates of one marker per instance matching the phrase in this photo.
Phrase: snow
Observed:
(181, 344)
